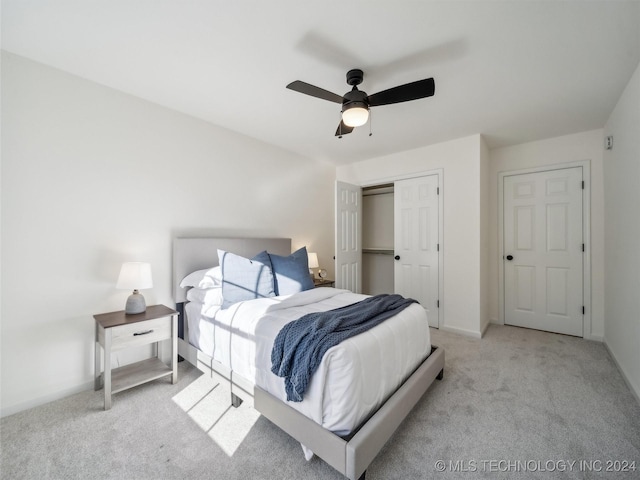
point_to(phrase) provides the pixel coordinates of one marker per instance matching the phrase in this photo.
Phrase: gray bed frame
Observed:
(351, 455)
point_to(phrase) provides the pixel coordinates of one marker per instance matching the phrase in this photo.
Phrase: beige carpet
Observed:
(517, 404)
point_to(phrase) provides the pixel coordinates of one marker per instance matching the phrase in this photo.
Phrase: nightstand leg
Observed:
(107, 369)
(96, 381)
(174, 349)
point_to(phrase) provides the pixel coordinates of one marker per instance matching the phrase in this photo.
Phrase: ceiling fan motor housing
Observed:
(354, 98)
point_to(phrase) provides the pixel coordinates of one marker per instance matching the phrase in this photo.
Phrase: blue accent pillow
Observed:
(292, 272)
(245, 279)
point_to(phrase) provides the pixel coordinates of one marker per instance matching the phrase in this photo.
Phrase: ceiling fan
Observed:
(356, 103)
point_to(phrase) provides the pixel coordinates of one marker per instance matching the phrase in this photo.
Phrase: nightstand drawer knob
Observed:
(142, 333)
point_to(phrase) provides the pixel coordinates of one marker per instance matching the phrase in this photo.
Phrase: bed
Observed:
(346, 435)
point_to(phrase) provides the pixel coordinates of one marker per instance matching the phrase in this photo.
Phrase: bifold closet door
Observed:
(416, 246)
(348, 237)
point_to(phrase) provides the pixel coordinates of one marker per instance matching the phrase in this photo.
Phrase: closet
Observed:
(377, 240)
(388, 239)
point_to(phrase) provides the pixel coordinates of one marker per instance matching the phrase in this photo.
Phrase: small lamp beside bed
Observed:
(135, 276)
(313, 262)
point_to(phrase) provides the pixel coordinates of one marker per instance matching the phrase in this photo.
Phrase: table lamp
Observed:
(135, 276)
(313, 261)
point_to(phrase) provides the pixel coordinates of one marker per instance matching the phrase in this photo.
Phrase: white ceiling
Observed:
(513, 71)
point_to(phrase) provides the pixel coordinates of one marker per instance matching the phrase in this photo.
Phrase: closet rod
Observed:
(373, 194)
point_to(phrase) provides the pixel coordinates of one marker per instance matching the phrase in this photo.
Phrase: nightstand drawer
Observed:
(140, 333)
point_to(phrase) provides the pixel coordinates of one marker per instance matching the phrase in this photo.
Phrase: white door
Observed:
(348, 236)
(543, 249)
(416, 247)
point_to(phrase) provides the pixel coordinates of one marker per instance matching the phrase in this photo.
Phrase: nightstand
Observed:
(323, 282)
(117, 331)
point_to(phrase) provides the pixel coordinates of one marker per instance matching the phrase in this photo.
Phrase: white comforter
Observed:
(354, 377)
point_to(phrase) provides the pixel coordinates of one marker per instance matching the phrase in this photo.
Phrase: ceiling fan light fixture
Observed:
(355, 115)
(356, 103)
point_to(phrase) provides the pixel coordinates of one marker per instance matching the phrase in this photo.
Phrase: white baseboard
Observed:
(634, 392)
(51, 397)
(594, 338)
(462, 331)
(484, 328)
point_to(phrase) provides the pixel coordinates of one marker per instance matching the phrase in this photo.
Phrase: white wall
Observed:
(92, 177)
(568, 148)
(622, 233)
(485, 235)
(460, 161)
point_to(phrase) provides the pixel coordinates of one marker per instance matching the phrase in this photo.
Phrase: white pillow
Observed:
(207, 278)
(206, 296)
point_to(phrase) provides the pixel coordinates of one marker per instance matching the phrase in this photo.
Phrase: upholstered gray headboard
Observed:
(191, 254)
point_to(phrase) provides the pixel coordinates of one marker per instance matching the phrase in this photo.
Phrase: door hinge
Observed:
(437, 247)
(437, 303)
(583, 309)
(583, 184)
(583, 247)
(437, 190)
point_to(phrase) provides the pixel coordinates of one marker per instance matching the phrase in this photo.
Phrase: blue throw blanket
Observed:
(299, 347)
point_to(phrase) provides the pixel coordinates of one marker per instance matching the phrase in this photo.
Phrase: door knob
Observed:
(509, 257)
(397, 257)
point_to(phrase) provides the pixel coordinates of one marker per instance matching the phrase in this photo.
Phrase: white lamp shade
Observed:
(313, 260)
(355, 116)
(135, 276)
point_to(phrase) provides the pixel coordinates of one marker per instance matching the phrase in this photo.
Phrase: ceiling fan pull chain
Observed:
(370, 122)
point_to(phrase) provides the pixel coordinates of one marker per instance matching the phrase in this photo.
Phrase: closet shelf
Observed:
(378, 251)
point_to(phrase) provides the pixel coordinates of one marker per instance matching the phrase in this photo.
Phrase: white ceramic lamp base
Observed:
(135, 304)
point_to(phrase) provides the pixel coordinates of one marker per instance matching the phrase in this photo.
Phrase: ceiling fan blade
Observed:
(314, 91)
(404, 93)
(343, 129)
